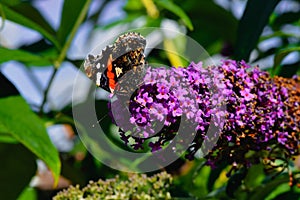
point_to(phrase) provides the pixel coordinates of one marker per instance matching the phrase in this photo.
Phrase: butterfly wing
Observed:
(108, 68)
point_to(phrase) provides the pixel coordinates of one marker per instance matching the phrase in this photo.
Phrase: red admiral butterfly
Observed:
(120, 67)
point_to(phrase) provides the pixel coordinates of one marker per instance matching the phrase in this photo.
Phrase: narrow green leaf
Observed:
(283, 53)
(282, 35)
(289, 70)
(70, 13)
(18, 166)
(24, 18)
(263, 191)
(22, 56)
(285, 18)
(254, 19)
(17, 119)
(280, 56)
(169, 5)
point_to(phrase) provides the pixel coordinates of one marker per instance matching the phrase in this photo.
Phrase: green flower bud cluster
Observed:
(137, 186)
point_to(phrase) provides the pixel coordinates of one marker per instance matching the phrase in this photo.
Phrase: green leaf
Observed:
(28, 16)
(6, 138)
(17, 119)
(264, 190)
(30, 12)
(279, 190)
(193, 182)
(70, 13)
(280, 56)
(169, 5)
(17, 168)
(254, 176)
(235, 181)
(22, 56)
(287, 195)
(254, 19)
(127, 19)
(281, 34)
(289, 70)
(285, 18)
(214, 24)
(133, 5)
(11, 2)
(283, 53)
(214, 175)
(28, 193)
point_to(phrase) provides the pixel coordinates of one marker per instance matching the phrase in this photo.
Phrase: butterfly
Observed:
(120, 67)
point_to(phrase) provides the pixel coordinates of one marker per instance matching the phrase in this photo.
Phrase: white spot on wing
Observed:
(98, 78)
(98, 66)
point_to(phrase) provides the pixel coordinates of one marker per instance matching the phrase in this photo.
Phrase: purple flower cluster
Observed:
(256, 116)
(172, 102)
(248, 110)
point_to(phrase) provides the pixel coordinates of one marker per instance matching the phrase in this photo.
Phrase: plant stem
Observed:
(67, 44)
(47, 91)
(61, 57)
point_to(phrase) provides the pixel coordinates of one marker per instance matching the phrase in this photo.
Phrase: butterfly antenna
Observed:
(101, 119)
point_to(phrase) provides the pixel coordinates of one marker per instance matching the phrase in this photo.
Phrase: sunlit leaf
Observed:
(17, 168)
(17, 119)
(173, 53)
(254, 19)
